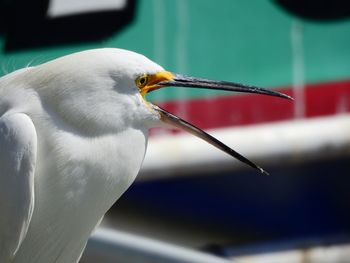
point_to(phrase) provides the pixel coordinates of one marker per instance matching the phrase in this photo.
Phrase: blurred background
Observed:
(188, 194)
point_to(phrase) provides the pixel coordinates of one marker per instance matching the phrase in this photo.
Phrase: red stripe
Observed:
(321, 99)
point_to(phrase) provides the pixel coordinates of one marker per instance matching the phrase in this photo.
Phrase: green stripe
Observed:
(243, 41)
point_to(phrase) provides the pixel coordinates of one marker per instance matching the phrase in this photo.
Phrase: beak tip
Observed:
(263, 172)
(283, 96)
(289, 98)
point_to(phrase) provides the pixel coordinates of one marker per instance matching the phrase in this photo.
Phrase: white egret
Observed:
(73, 135)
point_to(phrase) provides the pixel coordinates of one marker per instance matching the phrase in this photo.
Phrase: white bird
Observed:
(73, 135)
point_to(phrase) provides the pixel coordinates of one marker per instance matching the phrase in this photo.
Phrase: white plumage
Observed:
(65, 153)
(73, 134)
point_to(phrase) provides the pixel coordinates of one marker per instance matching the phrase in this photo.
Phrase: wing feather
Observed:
(18, 147)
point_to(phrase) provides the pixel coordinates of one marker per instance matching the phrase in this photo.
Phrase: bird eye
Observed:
(141, 81)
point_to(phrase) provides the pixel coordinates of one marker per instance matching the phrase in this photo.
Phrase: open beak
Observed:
(167, 79)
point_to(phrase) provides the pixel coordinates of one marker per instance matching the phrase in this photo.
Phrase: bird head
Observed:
(147, 83)
(110, 88)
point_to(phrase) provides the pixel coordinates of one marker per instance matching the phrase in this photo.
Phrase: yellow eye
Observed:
(141, 81)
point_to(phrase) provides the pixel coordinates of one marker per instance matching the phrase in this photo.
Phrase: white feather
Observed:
(91, 126)
(17, 162)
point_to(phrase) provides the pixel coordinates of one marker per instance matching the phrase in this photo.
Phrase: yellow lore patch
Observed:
(147, 83)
